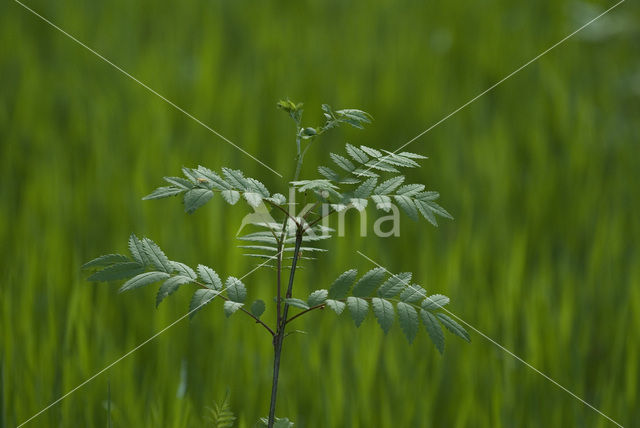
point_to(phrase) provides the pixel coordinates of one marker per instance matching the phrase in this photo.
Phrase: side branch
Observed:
(258, 320)
(320, 306)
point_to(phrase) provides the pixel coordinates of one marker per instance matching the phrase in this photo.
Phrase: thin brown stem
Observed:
(320, 306)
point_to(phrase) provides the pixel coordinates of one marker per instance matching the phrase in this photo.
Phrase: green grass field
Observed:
(541, 175)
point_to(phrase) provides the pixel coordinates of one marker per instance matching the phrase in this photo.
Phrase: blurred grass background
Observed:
(541, 174)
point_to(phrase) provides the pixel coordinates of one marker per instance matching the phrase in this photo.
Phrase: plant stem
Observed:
(279, 336)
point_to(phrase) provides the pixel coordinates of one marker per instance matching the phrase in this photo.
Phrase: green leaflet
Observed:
(184, 270)
(156, 256)
(410, 189)
(253, 199)
(359, 204)
(317, 297)
(296, 302)
(136, 248)
(388, 186)
(191, 175)
(278, 199)
(406, 204)
(382, 202)
(369, 282)
(257, 187)
(371, 152)
(231, 307)
(231, 196)
(342, 284)
(171, 285)
(412, 155)
(163, 192)
(413, 293)
(433, 328)
(195, 198)
(434, 302)
(179, 182)
(235, 178)
(396, 159)
(209, 277)
(257, 308)
(428, 196)
(215, 181)
(408, 320)
(357, 154)
(366, 188)
(342, 162)
(201, 298)
(394, 285)
(426, 212)
(117, 271)
(143, 279)
(328, 173)
(336, 305)
(383, 310)
(319, 184)
(453, 327)
(358, 308)
(354, 117)
(236, 290)
(105, 260)
(438, 209)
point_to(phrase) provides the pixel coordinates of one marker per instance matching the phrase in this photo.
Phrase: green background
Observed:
(541, 175)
